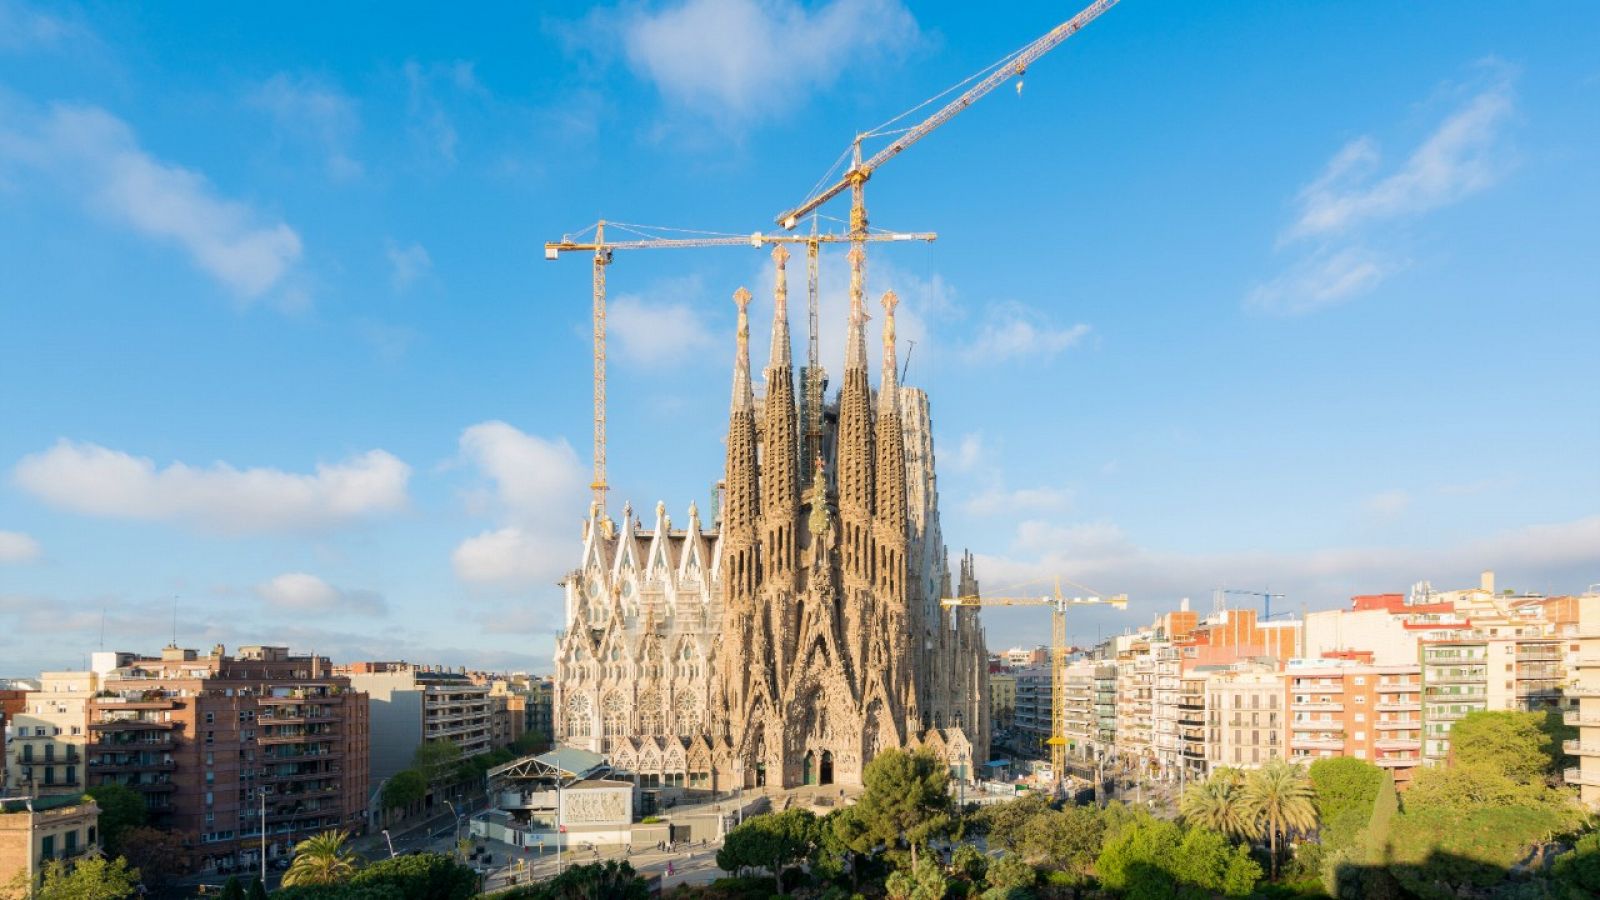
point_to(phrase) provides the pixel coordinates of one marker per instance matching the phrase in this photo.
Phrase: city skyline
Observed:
(1254, 297)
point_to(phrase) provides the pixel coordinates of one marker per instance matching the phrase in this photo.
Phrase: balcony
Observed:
(1315, 744)
(1398, 744)
(1409, 687)
(1576, 775)
(1398, 724)
(1584, 690)
(132, 765)
(1318, 706)
(1318, 725)
(1398, 762)
(1307, 687)
(112, 725)
(1579, 748)
(1399, 705)
(1454, 677)
(1579, 719)
(1539, 653)
(313, 737)
(291, 698)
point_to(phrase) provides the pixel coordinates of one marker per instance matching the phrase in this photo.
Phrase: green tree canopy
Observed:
(1151, 859)
(906, 802)
(404, 789)
(438, 761)
(772, 842)
(121, 808)
(1514, 745)
(1219, 803)
(1345, 789)
(420, 876)
(90, 878)
(611, 880)
(158, 854)
(1281, 795)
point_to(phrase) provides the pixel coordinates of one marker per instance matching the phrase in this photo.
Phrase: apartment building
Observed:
(1136, 706)
(1586, 718)
(225, 747)
(1246, 721)
(1080, 724)
(541, 706)
(411, 704)
(35, 831)
(1510, 667)
(1166, 680)
(1031, 717)
(1349, 707)
(1105, 706)
(1002, 698)
(1191, 723)
(46, 748)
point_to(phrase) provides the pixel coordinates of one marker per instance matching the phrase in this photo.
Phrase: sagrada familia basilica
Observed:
(799, 632)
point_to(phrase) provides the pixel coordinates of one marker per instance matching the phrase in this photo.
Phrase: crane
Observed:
(602, 251)
(1266, 600)
(855, 178)
(1058, 604)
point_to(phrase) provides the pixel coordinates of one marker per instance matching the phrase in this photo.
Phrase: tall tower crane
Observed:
(1058, 654)
(855, 178)
(602, 250)
(1266, 599)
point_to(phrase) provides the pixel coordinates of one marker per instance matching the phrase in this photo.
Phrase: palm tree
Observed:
(1218, 803)
(321, 859)
(1280, 796)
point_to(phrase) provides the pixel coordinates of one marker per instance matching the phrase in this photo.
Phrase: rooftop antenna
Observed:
(174, 620)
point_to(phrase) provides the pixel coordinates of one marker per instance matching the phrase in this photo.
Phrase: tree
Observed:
(159, 855)
(906, 802)
(321, 859)
(1010, 872)
(121, 808)
(923, 882)
(1345, 789)
(1219, 803)
(611, 880)
(422, 876)
(258, 891)
(404, 790)
(438, 761)
(772, 842)
(970, 863)
(531, 742)
(232, 889)
(90, 878)
(1281, 795)
(1150, 859)
(1514, 745)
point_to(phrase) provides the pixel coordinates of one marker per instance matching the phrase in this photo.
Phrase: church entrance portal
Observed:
(826, 776)
(809, 773)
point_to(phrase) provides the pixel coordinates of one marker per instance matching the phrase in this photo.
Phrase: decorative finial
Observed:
(661, 510)
(742, 398)
(780, 254)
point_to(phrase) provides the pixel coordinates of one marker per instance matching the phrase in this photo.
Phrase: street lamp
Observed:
(457, 814)
(390, 841)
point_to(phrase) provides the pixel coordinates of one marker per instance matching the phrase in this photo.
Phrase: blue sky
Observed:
(1299, 296)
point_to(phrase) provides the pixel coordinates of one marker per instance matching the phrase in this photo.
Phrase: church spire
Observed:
(780, 462)
(853, 464)
(889, 532)
(740, 505)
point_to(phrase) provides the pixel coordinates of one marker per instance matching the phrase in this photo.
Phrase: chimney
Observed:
(1486, 581)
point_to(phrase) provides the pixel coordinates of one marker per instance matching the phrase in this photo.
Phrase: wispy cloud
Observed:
(95, 154)
(16, 547)
(742, 61)
(302, 592)
(1388, 504)
(1338, 211)
(308, 110)
(1012, 331)
(23, 28)
(662, 327)
(1000, 501)
(407, 263)
(432, 127)
(93, 480)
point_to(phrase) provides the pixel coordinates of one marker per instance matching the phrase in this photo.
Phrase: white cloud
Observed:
(536, 492)
(1012, 331)
(306, 109)
(95, 153)
(16, 547)
(744, 60)
(1460, 158)
(656, 334)
(1387, 504)
(969, 452)
(1320, 280)
(998, 501)
(407, 264)
(25, 29)
(301, 592)
(1352, 197)
(93, 480)
(431, 125)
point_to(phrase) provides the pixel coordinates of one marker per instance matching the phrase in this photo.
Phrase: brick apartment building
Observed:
(221, 746)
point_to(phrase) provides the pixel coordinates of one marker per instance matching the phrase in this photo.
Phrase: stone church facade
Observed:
(799, 633)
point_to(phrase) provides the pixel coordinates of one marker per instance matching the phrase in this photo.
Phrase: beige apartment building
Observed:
(1512, 667)
(1191, 723)
(1586, 747)
(35, 831)
(1002, 698)
(46, 750)
(1246, 722)
(1136, 707)
(1080, 723)
(411, 704)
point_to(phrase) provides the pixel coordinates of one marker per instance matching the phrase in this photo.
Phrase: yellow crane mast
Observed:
(1059, 649)
(602, 250)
